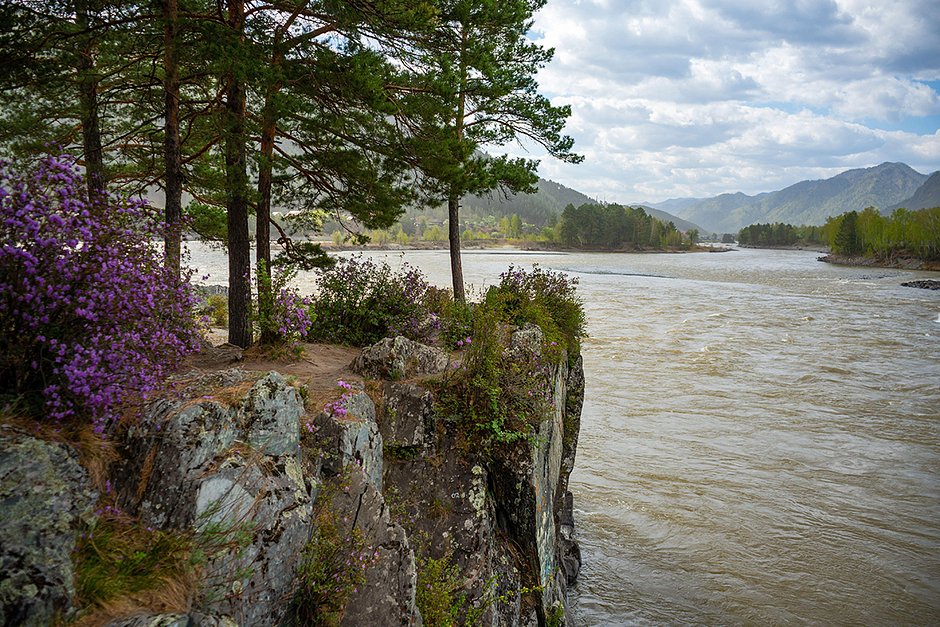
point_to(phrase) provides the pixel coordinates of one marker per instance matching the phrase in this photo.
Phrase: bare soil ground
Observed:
(319, 367)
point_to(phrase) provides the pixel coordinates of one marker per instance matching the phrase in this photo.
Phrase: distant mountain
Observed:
(536, 208)
(674, 205)
(551, 198)
(926, 196)
(807, 202)
(682, 225)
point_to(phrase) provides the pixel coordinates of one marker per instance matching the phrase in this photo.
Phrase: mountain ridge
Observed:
(926, 196)
(884, 186)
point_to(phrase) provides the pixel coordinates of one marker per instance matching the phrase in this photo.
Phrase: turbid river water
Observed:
(760, 440)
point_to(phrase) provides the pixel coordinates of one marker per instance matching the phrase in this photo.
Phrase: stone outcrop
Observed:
(530, 485)
(227, 463)
(44, 497)
(479, 510)
(236, 456)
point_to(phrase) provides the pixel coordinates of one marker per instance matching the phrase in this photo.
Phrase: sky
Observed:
(679, 98)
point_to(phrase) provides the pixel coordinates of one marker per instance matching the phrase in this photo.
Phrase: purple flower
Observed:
(88, 312)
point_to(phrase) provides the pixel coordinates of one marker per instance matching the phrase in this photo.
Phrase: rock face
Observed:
(530, 486)
(44, 496)
(478, 511)
(408, 419)
(234, 461)
(227, 465)
(387, 597)
(352, 439)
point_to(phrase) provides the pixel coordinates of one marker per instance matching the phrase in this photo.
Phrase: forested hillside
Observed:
(806, 202)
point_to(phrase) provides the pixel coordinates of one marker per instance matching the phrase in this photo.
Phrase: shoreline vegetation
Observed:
(522, 245)
(900, 263)
(907, 240)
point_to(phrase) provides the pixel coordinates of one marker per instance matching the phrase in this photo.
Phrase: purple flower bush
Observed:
(287, 317)
(89, 316)
(359, 302)
(338, 407)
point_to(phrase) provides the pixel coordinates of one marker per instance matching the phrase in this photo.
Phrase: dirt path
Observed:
(319, 368)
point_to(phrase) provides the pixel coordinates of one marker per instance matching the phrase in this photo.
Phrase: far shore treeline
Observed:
(613, 226)
(904, 233)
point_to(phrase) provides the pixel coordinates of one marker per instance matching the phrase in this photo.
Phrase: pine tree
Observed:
(847, 241)
(484, 70)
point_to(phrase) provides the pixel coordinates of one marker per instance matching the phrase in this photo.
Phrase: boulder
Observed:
(44, 496)
(396, 358)
(924, 284)
(228, 465)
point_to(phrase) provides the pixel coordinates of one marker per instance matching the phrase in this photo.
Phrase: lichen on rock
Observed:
(396, 358)
(232, 467)
(45, 496)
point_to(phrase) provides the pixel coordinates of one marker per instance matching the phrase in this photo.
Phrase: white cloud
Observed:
(700, 97)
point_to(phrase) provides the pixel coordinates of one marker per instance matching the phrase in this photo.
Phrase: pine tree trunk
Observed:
(453, 198)
(88, 103)
(236, 180)
(453, 228)
(171, 145)
(263, 220)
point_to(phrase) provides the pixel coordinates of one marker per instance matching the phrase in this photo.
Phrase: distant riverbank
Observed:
(515, 245)
(902, 263)
(817, 248)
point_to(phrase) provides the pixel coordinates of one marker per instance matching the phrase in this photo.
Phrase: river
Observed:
(760, 439)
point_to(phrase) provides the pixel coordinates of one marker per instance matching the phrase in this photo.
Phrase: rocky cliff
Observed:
(289, 513)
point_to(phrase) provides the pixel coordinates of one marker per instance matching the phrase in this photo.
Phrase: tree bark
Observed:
(236, 180)
(263, 215)
(88, 103)
(173, 211)
(453, 198)
(453, 230)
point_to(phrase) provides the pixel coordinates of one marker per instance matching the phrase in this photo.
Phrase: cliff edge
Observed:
(262, 498)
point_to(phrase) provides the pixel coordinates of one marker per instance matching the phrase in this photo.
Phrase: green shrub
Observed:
(545, 298)
(359, 302)
(216, 308)
(503, 399)
(500, 399)
(332, 566)
(438, 594)
(454, 320)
